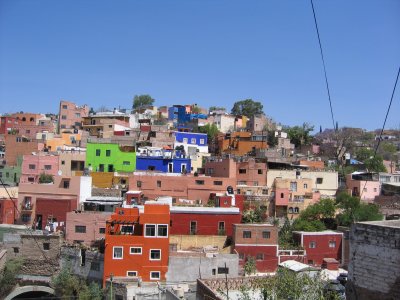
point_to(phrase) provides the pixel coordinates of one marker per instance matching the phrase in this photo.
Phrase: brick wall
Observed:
(374, 271)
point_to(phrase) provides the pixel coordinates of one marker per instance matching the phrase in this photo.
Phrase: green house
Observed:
(107, 157)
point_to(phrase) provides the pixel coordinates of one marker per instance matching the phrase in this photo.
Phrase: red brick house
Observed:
(259, 241)
(320, 245)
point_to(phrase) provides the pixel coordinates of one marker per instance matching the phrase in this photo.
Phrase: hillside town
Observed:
(187, 202)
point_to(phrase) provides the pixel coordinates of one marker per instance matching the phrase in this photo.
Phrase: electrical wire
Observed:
(323, 63)
(383, 126)
(28, 229)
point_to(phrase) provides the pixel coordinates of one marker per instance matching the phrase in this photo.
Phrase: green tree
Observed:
(300, 135)
(373, 163)
(142, 100)
(210, 129)
(353, 210)
(8, 277)
(214, 108)
(46, 178)
(272, 140)
(250, 265)
(91, 292)
(247, 107)
(285, 236)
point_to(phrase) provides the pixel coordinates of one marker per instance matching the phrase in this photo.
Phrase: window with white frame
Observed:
(155, 275)
(150, 229)
(162, 230)
(312, 245)
(332, 244)
(135, 250)
(202, 141)
(193, 141)
(118, 252)
(127, 229)
(155, 254)
(185, 140)
(131, 273)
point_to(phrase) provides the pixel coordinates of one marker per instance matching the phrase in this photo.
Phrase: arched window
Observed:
(296, 210)
(290, 210)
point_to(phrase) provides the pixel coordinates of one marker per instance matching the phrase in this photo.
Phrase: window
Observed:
(32, 167)
(332, 244)
(162, 230)
(63, 162)
(7, 174)
(131, 273)
(242, 171)
(155, 275)
(319, 180)
(293, 186)
(210, 171)
(108, 152)
(218, 182)
(66, 184)
(127, 229)
(138, 184)
(31, 179)
(260, 171)
(64, 106)
(241, 256)
(214, 271)
(98, 152)
(155, 254)
(290, 210)
(312, 245)
(63, 117)
(170, 167)
(80, 229)
(200, 182)
(46, 246)
(126, 163)
(202, 141)
(47, 167)
(223, 270)
(16, 249)
(102, 230)
(150, 229)
(26, 218)
(310, 262)
(184, 140)
(305, 185)
(158, 183)
(265, 191)
(95, 266)
(118, 252)
(282, 195)
(266, 234)
(135, 250)
(260, 256)
(193, 141)
(221, 228)
(193, 227)
(246, 234)
(77, 115)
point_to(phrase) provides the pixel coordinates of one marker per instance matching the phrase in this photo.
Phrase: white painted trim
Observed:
(154, 258)
(131, 275)
(159, 277)
(130, 250)
(122, 254)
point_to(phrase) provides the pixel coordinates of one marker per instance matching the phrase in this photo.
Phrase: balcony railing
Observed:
(26, 207)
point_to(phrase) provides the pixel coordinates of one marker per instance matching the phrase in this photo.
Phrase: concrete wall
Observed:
(191, 267)
(374, 271)
(183, 242)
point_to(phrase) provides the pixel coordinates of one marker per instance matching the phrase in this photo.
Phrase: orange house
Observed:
(137, 243)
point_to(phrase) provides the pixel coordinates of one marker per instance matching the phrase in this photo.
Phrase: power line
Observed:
(29, 229)
(323, 63)
(383, 126)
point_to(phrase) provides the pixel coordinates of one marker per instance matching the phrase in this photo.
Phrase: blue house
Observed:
(158, 159)
(190, 140)
(178, 114)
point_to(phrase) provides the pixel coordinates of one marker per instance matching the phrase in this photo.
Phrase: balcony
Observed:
(27, 207)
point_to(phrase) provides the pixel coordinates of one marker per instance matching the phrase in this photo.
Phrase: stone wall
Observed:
(374, 269)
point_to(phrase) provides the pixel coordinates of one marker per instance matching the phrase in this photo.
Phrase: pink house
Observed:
(86, 227)
(35, 165)
(363, 185)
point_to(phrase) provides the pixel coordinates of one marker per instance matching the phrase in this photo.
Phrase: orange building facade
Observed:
(137, 243)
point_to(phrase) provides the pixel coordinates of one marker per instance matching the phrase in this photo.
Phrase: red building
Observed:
(259, 241)
(192, 220)
(8, 212)
(8, 124)
(137, 243)
(320, 245)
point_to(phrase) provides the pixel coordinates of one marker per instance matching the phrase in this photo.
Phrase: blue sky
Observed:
(209, 52)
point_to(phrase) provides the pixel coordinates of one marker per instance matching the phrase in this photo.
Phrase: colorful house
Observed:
(107, 157)
(33, 166)
(137, 243)
(158, 159)
(259, 241)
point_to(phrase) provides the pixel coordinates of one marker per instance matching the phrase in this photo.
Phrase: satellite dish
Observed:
(59, 172)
